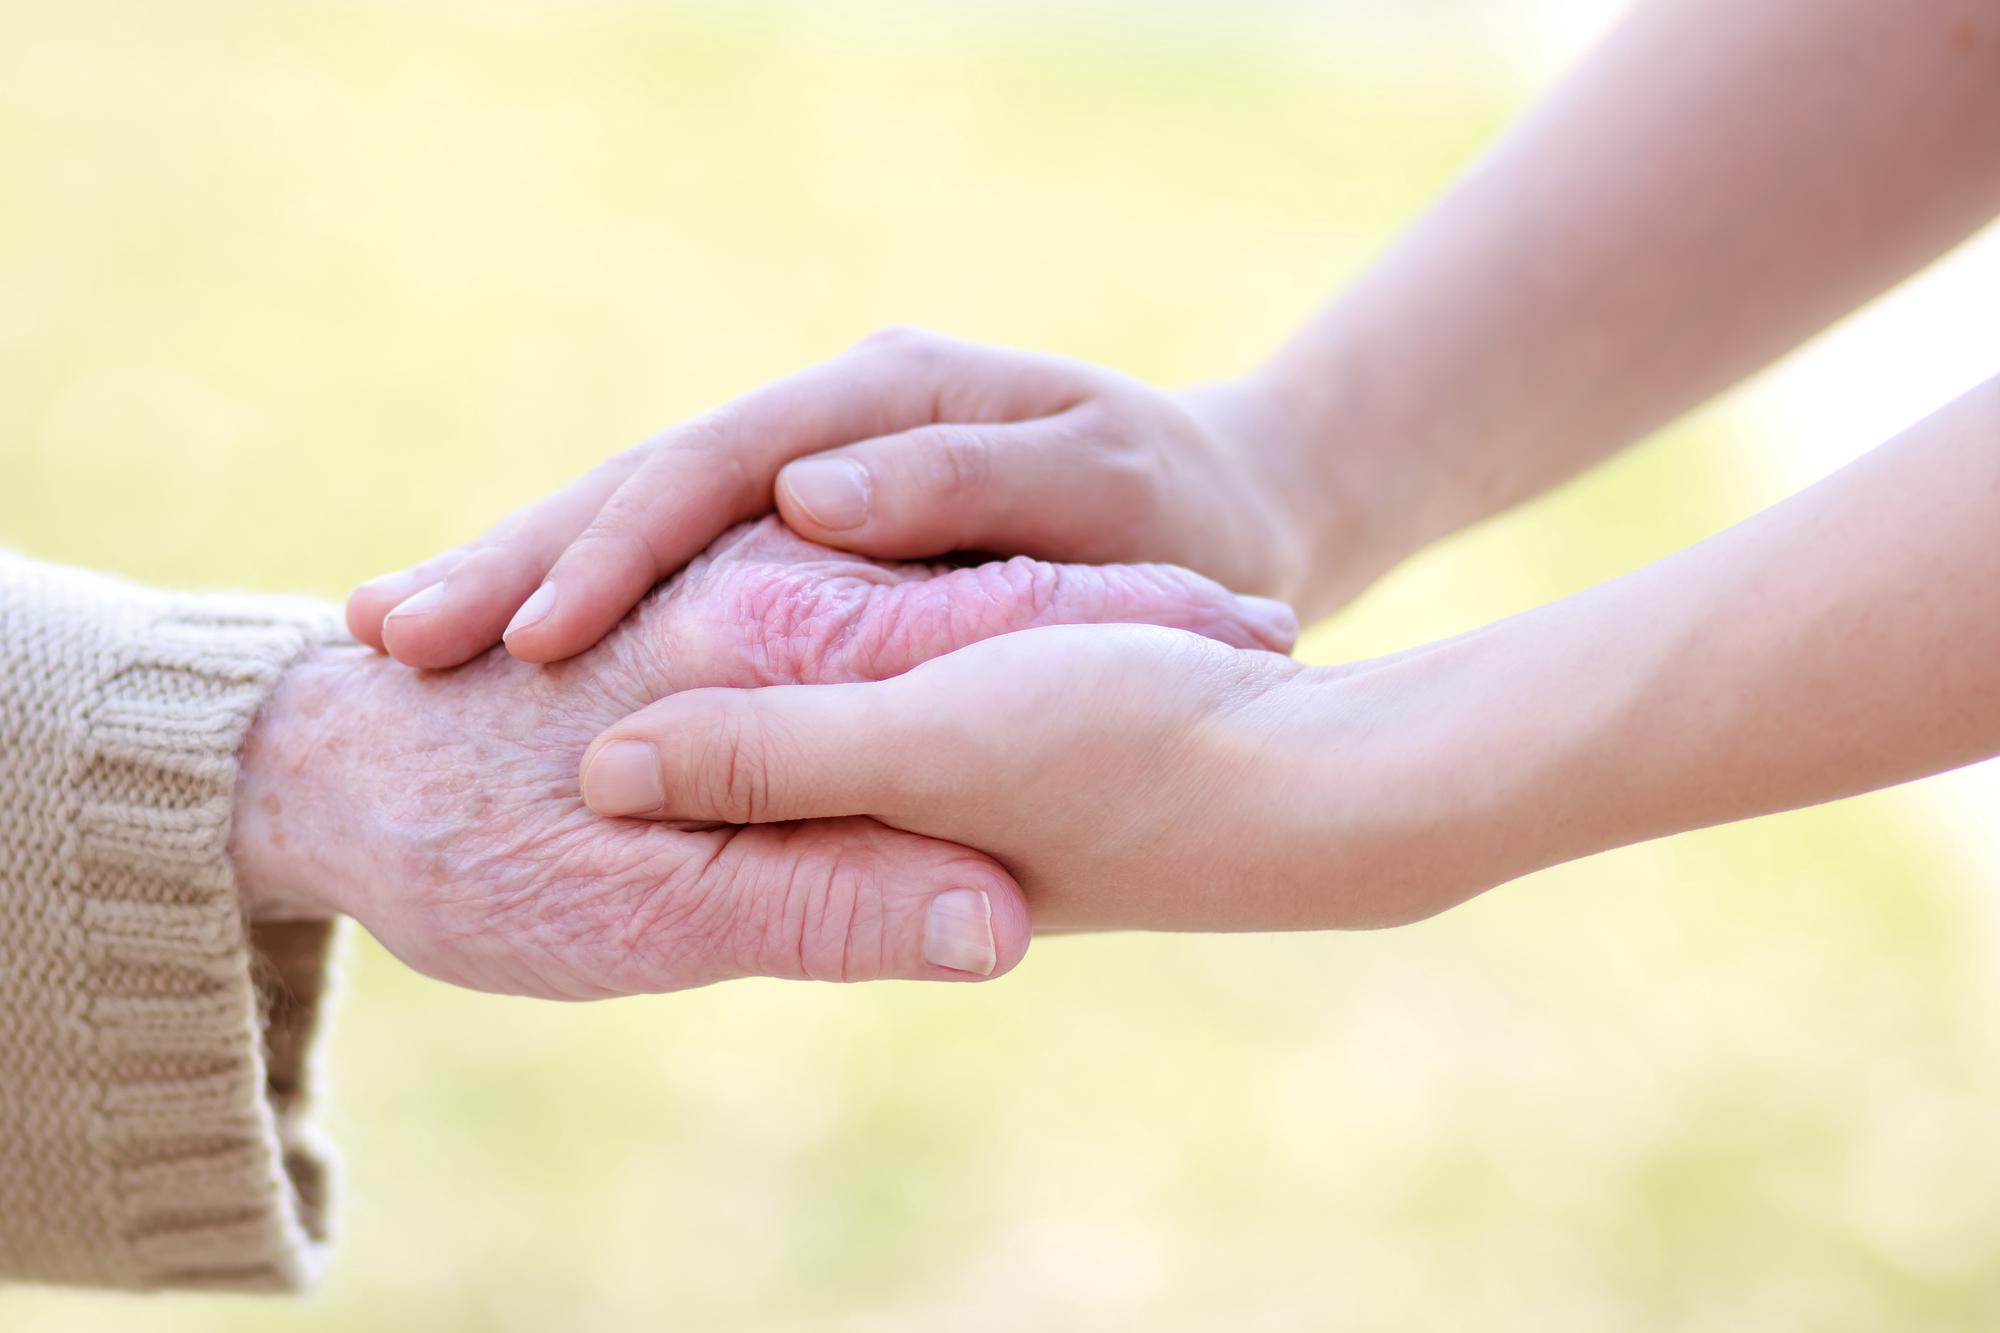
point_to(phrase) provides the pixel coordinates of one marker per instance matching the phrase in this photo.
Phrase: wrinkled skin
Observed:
(966, 447)
(441, 809)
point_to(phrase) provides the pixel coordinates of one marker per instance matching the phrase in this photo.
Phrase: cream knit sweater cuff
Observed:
(153, 1088)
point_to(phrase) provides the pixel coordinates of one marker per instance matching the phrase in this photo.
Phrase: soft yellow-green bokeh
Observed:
(291, 294)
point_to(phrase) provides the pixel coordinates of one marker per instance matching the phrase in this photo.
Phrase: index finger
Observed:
(720, 469)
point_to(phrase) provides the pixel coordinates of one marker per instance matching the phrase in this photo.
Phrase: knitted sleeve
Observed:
(152, 1045)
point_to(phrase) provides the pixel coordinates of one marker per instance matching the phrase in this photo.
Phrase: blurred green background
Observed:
(292, 294)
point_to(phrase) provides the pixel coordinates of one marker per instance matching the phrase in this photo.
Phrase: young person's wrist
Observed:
(1354, 485)
(1424, 778)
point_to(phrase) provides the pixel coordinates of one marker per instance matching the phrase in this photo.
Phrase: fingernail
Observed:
(623, 778)
(958, 932)
(422, 604)
(532, 610)
(1275, 622)
(832, 491)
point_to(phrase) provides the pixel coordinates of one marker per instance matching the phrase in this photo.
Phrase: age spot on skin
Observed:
(272, 808)
(1964, 37)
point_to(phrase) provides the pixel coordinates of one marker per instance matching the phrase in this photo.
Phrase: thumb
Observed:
(850, 900)
(1024, 486)
(756, 756)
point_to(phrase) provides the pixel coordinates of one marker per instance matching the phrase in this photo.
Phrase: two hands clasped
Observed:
(797, 759)
(722, 741)
(787, 757)
(850, 768)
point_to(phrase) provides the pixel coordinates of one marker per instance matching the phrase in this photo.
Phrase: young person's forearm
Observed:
(1846, 640)
(1137, 777)
(1719, 181)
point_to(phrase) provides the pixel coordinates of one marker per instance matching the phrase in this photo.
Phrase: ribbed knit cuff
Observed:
(212, 1169)
(158, 1056)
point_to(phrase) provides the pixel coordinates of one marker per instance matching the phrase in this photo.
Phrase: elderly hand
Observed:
(918, 446)
(441, 809)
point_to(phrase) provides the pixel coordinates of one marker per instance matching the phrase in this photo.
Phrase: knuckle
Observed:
(710, 445)
(957, 460)
(826, 922)
(913, 351)
(915, 622)
(614, 544)
(628, 459)
(1128, 479)
(896, 337)
(1122, 467)
(498, 561)
(1036, 591)
(731, 767)
(905, 624)
(718, 448)
(783, 631)
(510, 527)
(720, 428)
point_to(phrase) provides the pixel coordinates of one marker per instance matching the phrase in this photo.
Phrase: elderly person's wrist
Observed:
(292, 852)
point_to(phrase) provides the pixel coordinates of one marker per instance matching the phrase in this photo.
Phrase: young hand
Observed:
(1844, 640)
(1127, 776)
(908, 445)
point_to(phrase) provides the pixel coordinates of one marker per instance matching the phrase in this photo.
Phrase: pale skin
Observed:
(478, 863)
(1137, 777)
(1716, 183)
